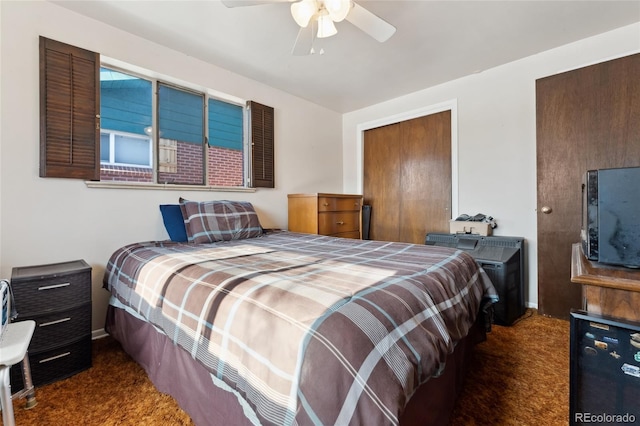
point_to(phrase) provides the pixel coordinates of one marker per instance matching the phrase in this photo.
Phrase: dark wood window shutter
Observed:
(69, 111)
(262, 145)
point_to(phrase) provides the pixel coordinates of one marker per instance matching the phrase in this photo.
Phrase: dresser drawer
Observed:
(353, 234)
(325, 214)
(38, 294)
(330, 223)
(333, 204)
(56, 328)
(55, 364)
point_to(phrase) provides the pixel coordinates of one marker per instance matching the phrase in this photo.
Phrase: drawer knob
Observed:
(340, 223)
(325, 204)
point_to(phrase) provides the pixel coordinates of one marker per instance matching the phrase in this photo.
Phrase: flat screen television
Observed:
(611, 216)
(604, 370)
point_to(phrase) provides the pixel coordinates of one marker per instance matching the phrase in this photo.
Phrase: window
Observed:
(112, 125)
(226, 137)
(126, 146)
(184, 155)
(181, 133)
(125, 150)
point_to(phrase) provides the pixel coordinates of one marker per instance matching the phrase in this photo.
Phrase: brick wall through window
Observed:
(226, 168)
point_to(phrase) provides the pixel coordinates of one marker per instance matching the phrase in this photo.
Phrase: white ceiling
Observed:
(435, 41)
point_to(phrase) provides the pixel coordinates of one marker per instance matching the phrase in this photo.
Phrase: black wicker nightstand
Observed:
(58, 298)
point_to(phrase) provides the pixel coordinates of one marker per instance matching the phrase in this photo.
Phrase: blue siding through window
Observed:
(125, 105)
(225, 124)
(180, 115)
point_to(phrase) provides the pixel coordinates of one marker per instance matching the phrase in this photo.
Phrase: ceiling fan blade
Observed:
(304, 41)
(371, 24)
(240, 3)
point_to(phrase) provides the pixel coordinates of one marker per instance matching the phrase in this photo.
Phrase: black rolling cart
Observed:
(503, 259)
(58, 298)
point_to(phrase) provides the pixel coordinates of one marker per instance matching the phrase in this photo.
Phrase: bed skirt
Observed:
(173, 371)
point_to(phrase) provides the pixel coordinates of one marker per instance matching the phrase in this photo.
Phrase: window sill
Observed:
(165, 187)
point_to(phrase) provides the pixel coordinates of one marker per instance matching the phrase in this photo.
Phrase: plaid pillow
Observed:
(211, 221)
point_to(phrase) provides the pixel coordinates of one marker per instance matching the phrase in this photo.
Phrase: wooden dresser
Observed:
(338, 215)
(606, 290)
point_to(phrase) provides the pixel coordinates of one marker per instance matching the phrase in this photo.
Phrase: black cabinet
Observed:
(58, 298)
(604, 367)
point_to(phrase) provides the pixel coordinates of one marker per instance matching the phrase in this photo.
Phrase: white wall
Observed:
(496, 129)
(54, 220)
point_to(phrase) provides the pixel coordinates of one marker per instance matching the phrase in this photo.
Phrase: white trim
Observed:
(451, 105)
(247, 147)
(164, 186)
(98, 334)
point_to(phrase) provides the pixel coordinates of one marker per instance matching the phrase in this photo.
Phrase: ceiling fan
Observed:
(317, 19)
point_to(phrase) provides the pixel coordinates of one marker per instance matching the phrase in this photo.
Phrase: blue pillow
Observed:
(173, 222)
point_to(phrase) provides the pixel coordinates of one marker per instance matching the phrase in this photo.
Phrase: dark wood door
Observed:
(407, 178)
(381, 170)
(586, 119)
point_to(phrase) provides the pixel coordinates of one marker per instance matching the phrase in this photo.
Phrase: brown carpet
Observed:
(519, 376)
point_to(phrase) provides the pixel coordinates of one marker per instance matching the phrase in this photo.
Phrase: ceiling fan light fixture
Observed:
(326, 28)
(303, 11)
(338, 9)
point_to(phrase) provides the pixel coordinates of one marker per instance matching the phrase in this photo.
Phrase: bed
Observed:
(243, 326)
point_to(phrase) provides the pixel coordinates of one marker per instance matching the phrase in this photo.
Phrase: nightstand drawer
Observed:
(57, 328)
(40, 289)
(333, 204)
(55, 364)
(338, 222)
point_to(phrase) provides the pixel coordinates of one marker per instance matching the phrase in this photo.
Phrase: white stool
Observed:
(13, 349)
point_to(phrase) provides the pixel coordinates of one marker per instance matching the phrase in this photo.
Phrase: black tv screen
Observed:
(604, 370)
(610, 223)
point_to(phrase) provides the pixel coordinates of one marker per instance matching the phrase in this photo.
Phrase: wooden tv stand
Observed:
(606, 289)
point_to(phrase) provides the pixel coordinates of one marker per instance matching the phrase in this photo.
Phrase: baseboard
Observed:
(98, 334)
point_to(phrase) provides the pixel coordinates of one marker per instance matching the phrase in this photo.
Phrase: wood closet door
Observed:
(586, 119)
(381, 167)
(407, 178)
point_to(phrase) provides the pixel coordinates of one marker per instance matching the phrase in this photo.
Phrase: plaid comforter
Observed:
(307, 329)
